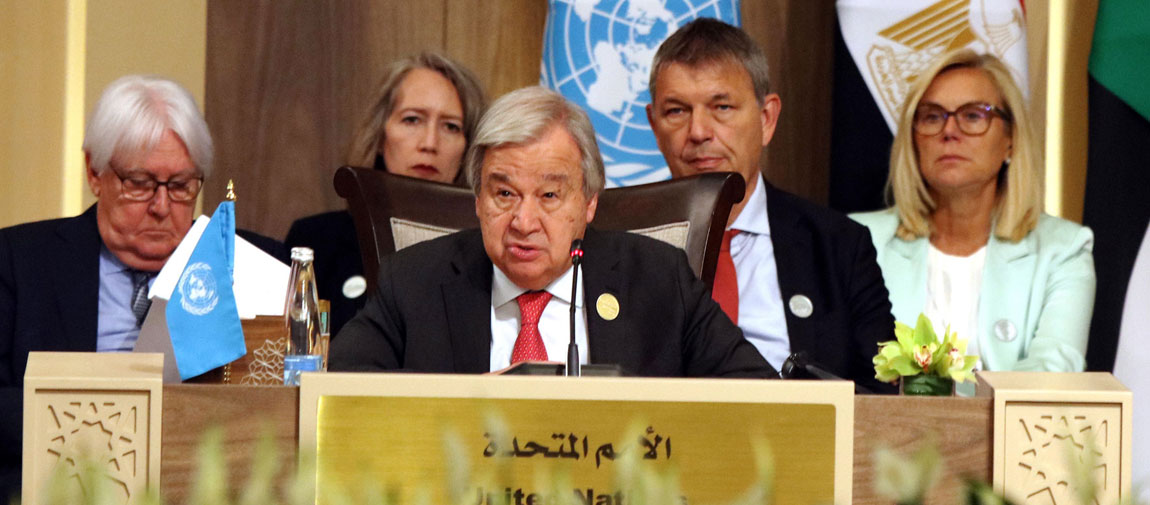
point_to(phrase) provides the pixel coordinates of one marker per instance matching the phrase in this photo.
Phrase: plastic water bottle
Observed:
(302, 318)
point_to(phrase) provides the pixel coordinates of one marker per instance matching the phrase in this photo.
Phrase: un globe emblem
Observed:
(598, 54)
(199, 293)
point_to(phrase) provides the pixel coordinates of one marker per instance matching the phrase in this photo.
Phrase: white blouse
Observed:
(952, 293)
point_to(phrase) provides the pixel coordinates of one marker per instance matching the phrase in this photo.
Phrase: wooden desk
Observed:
(961, 426)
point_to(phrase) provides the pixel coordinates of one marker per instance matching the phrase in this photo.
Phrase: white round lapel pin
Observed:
(354, 286)
(801, 306)
(1005, 330)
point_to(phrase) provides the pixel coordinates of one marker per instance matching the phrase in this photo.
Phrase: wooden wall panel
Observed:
(502, 41)
(288, 82)
(270, 101)
(798, 38)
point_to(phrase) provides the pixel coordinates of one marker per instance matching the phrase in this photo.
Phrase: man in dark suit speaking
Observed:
(480, 300)
(796, 277)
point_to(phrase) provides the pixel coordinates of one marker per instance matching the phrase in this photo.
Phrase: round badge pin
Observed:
(354, 286)
(607, 306)
(1005, 330)
(801, 306)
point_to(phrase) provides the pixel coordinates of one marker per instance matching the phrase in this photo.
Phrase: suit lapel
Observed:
(907, 287)
(601, 276)
(76, 280)
(467, 304)
(1008, 265)
(792, 248)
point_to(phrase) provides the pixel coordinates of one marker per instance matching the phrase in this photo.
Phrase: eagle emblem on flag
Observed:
(893, 42)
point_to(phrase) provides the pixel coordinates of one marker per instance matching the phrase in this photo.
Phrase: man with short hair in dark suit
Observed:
(796, 277)
(480, 300)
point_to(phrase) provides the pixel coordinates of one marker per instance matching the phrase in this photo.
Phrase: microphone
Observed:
(573, 348)
(799, 366)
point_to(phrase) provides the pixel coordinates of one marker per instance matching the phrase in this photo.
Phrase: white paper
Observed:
(259, 283)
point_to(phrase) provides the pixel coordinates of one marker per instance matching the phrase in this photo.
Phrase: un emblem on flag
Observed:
(198, 292)
(598, 54)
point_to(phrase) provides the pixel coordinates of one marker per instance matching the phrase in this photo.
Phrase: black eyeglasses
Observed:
(141, 188)
(973, 118)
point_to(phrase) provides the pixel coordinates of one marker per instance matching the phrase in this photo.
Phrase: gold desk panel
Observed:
(962, 427)
(399, 441)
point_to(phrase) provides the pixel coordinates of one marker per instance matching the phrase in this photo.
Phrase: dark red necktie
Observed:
(726, 290)
(529, 346)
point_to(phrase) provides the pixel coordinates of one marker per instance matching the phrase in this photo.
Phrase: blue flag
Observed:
(598, 53)
(202, 317)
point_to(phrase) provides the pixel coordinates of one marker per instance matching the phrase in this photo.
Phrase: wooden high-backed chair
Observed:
(392, 212)
(689, 213)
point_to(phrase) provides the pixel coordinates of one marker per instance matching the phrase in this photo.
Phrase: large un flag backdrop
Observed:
(598, 54)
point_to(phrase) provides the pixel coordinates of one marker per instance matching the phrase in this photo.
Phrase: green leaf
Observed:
(887, 375)
(891, 352)
(904, 366)
(211, 481)
(924, 331)
(901, 329)
(927, 385)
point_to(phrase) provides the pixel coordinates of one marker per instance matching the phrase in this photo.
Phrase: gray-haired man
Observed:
(479, 300)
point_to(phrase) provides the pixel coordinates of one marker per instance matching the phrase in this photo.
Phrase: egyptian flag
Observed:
(880, 49)
(1118, 207)
(1117, 203)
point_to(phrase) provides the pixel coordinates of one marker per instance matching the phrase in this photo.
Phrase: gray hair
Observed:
(135, 111)
(525, 115)
(706, 41)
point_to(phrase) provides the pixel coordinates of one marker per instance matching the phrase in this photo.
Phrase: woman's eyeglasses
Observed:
(973, 118)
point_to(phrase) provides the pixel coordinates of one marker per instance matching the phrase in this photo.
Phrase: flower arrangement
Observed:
(919, 352)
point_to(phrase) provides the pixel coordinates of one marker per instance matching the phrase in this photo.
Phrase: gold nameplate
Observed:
(516, 437)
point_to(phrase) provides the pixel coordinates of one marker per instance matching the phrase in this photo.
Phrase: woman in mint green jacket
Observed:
(966, 241)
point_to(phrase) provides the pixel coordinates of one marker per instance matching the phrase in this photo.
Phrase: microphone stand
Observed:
(573, 348)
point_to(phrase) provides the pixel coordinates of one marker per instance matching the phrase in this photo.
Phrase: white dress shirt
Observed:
(761, 315)
(554, 324)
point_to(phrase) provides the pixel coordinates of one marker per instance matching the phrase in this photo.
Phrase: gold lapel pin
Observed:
(607, 306)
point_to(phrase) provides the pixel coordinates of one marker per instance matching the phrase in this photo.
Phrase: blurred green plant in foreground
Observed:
(906, 480)
(87, 483)
(903, 479)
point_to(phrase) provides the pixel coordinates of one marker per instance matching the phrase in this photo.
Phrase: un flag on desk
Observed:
(202, 317)
(598, 54)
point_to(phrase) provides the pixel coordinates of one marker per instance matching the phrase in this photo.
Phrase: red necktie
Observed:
(726, 290)
(529, 346)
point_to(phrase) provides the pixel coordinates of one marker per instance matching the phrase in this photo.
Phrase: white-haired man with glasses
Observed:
(80, 283)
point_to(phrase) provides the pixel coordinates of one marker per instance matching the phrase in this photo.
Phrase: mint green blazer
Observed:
(1037, 294)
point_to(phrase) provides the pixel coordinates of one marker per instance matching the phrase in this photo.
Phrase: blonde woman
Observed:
(966, 241)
